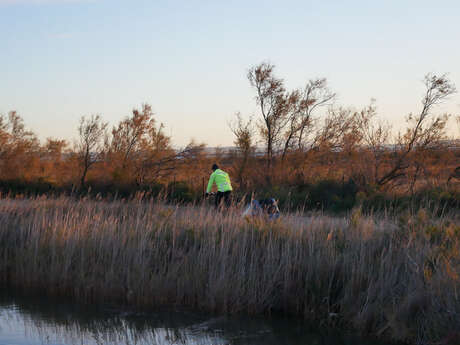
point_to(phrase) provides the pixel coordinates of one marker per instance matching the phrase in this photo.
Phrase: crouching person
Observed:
(265, 207)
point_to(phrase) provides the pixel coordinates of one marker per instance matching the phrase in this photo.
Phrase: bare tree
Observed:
(138, 146)
(171, 160)
(19, 148)
(128, 139)
(155, 155)
(90, 146)
(293, 109)
(270, 96)
(315, 95)
(18, 133)
(287, 117)
(374, 136)
(244, 141)
(128, 136)
(300, 108)
(421, 134)
(338, 128)
(54, 148)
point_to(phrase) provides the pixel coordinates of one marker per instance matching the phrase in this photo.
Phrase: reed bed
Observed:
(396, 277)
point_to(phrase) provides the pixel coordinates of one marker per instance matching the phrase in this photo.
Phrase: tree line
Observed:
(307, 135)
(306, 138)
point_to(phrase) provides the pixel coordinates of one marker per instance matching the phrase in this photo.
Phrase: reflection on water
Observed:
(26, 321)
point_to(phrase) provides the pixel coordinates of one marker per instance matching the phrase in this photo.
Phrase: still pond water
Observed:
(32, 321)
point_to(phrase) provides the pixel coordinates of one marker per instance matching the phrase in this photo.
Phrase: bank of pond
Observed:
(38, 320)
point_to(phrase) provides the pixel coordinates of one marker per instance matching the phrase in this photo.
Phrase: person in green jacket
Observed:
(224, 186)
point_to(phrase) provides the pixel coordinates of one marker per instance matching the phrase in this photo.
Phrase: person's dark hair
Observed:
(215, 166)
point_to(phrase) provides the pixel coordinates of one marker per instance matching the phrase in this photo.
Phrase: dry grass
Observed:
(395, 277)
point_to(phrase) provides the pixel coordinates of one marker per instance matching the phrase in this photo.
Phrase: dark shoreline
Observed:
(65, 311)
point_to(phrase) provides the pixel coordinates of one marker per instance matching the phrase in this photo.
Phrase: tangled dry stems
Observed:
(394, 276)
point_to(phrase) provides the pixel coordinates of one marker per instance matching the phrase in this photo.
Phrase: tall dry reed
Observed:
(395, 277)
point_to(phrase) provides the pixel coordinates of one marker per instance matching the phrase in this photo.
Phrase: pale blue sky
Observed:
(188, 59)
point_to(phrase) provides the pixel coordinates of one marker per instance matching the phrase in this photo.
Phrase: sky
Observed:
(62, 59)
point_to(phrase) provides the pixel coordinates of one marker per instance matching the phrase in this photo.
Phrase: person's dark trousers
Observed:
(226, 196)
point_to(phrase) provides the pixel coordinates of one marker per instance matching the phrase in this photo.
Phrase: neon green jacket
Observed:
(222, 181)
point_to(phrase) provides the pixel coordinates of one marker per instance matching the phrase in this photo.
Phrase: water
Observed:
(32, 321)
